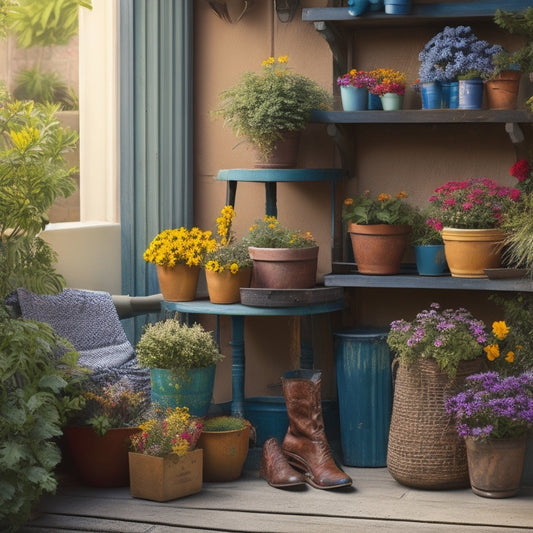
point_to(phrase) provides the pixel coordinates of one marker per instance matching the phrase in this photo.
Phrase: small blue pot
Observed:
(354, 98)
(430, 259)
(450, 94)
(471, 94)
(431, 94)
(397, 7)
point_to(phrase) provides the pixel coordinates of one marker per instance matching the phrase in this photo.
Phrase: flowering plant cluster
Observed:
(113, 405)
(387, 80)
(454, 53)
(422, 232)
(356, 78)
(269, 233)
(493, 406)
(263, 106)
(173, 431)
(448, 336)
(180, 245)
(475, 203)
(502, 348)
(522, 171)
(230, 254)
(385, 209)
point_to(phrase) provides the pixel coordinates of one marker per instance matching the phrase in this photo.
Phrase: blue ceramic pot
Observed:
(430, 259)
(431, 95)
(450, 94)
(374, 102)
(397, 7)
(470, 94)
(357, 7)
(354, 98)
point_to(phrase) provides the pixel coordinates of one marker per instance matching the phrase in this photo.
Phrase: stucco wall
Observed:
(387, 159)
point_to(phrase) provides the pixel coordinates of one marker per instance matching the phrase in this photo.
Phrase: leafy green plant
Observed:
(38, 391)
(175, 346)
(224, 423)
(33, 174)
(44, 88)
(39, 23)
(421, 232)
(262, 107)
(519, 23)
(269, 233)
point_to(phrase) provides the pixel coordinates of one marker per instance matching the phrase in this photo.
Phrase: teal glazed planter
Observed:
(374, 102)
(391, 101)
(431, 95)
(470, 94)
(354, 98)
(194, 391)
(397, 7)
(450, 94)
(430, 259)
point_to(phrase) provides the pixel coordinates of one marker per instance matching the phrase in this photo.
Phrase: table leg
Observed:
(306, 342)
(271, 208)
(237, 366)
(231, 192)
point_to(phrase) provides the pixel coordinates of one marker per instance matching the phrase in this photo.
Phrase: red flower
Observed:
(520, 170)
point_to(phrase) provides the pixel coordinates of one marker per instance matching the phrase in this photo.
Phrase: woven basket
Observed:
(424, 449)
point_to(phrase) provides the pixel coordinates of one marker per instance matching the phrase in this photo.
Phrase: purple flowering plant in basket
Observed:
(493, 406)
(447, 336)
(456, 53)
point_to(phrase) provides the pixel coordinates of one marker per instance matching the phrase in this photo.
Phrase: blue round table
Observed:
(237, 312)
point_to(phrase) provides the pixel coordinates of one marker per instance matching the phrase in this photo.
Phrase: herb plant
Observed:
(269, 233)
(384, 209)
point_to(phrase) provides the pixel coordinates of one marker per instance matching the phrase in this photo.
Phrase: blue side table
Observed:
(237, 312)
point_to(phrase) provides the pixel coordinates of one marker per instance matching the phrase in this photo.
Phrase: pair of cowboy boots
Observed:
(305, 455)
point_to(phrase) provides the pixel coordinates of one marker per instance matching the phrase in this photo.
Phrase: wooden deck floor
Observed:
(376, 503)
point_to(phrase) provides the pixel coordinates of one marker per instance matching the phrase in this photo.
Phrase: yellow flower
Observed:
(348, 201)
(283, 59)
(492, 351)
(234, 268)
(268, 61)
(384, 197)
(510, 357)
(500, 329)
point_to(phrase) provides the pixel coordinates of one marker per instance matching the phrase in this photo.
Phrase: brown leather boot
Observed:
(275, 468)
(305, 444)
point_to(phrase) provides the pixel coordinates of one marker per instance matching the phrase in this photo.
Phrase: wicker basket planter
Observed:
(424, 449)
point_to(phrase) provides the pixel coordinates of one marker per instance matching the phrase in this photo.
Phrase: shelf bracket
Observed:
(337, 44)
(517, 137)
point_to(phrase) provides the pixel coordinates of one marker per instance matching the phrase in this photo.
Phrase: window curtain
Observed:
(155, 133)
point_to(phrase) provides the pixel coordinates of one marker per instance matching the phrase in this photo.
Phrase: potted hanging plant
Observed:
(229, 266)
(182, 361)
(282, 258)
(379, 230)
(494, 413)
(428, 245)
(272, 106)
(97, 438)
(225, 443)
(354, 89)
(469, 213)
(164, 462)
(452, 54)
(433, 353)
(177, 254)
(389, 85)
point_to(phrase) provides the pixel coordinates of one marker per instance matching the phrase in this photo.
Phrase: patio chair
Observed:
(90, 320)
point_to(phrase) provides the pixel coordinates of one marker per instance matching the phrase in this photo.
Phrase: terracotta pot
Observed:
(224, 453)
(378, 248)
(502, 93)
(495, 466)
(470, 251)
(284, 153)
(284, 268)
(165, 478)
(178, 283)
(100, 461)
(225, 287)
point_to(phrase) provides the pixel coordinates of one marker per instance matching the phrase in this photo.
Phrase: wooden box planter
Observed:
(165, 478)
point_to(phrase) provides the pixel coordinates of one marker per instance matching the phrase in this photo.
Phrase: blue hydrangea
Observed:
(455, 52)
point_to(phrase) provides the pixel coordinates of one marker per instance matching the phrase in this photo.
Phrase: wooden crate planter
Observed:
(165, 478)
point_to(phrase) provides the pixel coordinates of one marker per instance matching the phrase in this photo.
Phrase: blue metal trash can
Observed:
(364, 388)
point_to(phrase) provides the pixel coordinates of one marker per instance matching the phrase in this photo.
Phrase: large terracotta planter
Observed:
(193, 390)
(378, 248)
(424, 449)
(165, 478)
(178, 283)
(225, 287)
(470, 251)
(284, 153)
(495, 466)
(284, 268)
(100, 461)
(502, 93)
(224, 453)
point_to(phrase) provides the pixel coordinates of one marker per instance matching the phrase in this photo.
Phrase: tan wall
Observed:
(388, 159)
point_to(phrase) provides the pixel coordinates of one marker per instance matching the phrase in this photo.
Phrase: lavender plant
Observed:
(492, 406)
(456, 53)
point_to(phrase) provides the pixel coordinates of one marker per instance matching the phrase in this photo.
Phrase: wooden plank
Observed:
(290, 297)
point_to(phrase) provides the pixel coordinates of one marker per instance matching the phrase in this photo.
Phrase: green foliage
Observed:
(518, 227)
(262, 107)
(421, 232)
(45, 22)
(44, 88)
(269, 233)
(224, 423)
(37, 392)
(519, 23)
(175, 346)
(33, 175)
